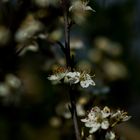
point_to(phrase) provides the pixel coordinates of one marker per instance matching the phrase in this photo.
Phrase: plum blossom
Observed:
(119, 116)
(85, 80)
(56, 78)
(80, 6)
(97, 119)
(72, 77)
(104, 119)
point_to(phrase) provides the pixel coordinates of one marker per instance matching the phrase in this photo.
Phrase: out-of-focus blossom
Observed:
(4, 35)
(76, 43)
(95, 55)
(63, 110)
(55, 122)
(90, 137)
(80, 6)
(28, 28)
(79, 10)
(108, 46)
(83, 100)
(55, 35)
(101, 42)
(31, 47)
(44, 3)
(114, 70)
(110, 136)
(80, 110)
(4, 90)
(12, 81)
(5, 0)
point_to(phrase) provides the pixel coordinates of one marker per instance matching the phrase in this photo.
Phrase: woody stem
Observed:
(69, 64)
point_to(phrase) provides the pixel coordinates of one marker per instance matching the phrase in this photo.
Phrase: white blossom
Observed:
(96, 119)
(110, 136)
(4, 90)
(104, 119)
(73, 78)
(86, 81)
(80, 6)
(12, 81)
(56, 78)
(119, 116)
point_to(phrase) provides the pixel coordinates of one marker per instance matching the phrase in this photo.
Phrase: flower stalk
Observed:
(72, 107)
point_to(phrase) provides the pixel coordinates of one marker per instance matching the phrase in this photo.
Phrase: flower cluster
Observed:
(84, 79)
(104, 119)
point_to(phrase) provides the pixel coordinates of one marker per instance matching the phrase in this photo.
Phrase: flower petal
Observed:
(95, 128)
(105, 112)
(84, 84)
(53, 77)
(105, 124)
(110, 136)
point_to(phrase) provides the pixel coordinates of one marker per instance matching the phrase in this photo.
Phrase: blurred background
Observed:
(104, 43)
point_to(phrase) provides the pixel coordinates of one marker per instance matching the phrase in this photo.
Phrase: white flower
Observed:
(79, 10)
(4, 90)
(72, 77)
(86, 81)
(80, 110)
(105, 112)
(56, 77)
(80, 6)
(104, 119)
(110, 135)
(119, 116)
(96, 119)
(28, 28)
(12, 81)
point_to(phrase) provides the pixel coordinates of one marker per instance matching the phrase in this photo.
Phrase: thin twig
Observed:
(69, 64)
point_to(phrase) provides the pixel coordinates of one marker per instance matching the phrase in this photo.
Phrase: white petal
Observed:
(94, 128)
(61, 75)
(90, 124)
(84, 84)
(88, 8)
(53, 77)
(73, 74)
(80, 110)
(110, 136)
(91, 82)
(84, 120)
(126, 118)
(105, 124)
(105, 112)
(74, 80)
(92, 115)
(96, 109)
